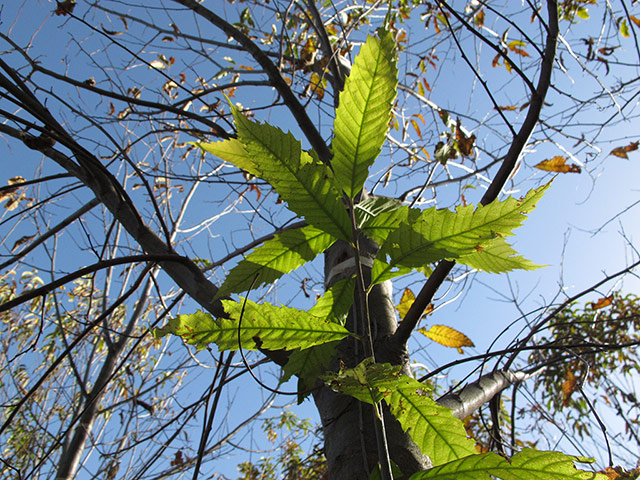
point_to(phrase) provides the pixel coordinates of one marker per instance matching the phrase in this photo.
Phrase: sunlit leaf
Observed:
(526, 465)
(447, 336)
(406, 301)
(497, 257)
(624, 28)
(263, 326)
(362, 117)
(582, 12)
(432, 427)
(440, 233)
(558, 164)
(282, 254)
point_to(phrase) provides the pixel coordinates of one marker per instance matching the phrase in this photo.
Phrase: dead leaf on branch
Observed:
(558, 164)
(569, 386)
(602, 302)
(65, 7)
(622, 152)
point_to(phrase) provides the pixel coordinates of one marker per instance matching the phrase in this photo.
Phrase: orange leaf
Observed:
(416, 127)
(447, 337)
(622, 151)
(558, 164)
(569, 386)
(602, 302)
(635, 20)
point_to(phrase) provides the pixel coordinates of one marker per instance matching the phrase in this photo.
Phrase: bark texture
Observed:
(350, 439)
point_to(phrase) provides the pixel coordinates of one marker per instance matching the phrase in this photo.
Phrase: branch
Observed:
(436, 279)
(476, 394)
(296, 108)
(37, 292)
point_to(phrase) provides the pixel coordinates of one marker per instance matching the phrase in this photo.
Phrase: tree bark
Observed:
(348, 427)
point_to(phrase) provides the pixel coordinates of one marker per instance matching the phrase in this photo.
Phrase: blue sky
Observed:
(559, 233)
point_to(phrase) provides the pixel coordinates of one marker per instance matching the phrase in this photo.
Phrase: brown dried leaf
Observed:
(65, 7)
(622, 151)
(465, 144)
(569, 386)
(21, 241)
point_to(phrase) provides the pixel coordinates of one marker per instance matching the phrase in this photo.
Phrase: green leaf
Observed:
(231, 151)
(336, 302)
(282, 254)
(308, 365)
(582, 12)
(432, 427)
(497, 257)
(308, 187)
(377, 217)
(364, 381)
(526, 465)
(438, 234)
(363, 114)
(265, 326)
(474, 467)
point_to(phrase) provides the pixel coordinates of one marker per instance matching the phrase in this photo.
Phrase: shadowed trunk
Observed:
(350, 439)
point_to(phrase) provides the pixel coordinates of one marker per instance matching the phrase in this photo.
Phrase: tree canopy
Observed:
(178, 171)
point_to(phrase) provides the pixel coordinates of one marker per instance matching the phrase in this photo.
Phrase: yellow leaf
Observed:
(405, 302)
(447, 337)
(558, 164)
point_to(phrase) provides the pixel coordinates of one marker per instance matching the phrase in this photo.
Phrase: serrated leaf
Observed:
(497, 257)
(474, 467)
(378, 216)
(438, 234)
(282, 254)
(363, 114)
(307, 186)
(263, 325)
(232, 151)
(526, 465)
(336, 302)
(432, 427)
(447, 336)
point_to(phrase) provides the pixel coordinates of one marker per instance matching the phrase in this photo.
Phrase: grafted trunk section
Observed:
(350, 439)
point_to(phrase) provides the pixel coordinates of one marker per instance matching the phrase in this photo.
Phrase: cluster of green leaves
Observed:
(326, 197)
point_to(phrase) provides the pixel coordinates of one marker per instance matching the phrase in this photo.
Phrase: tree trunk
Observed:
(348, 426)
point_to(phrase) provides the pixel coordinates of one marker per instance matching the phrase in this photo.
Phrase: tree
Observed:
(119, 128)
